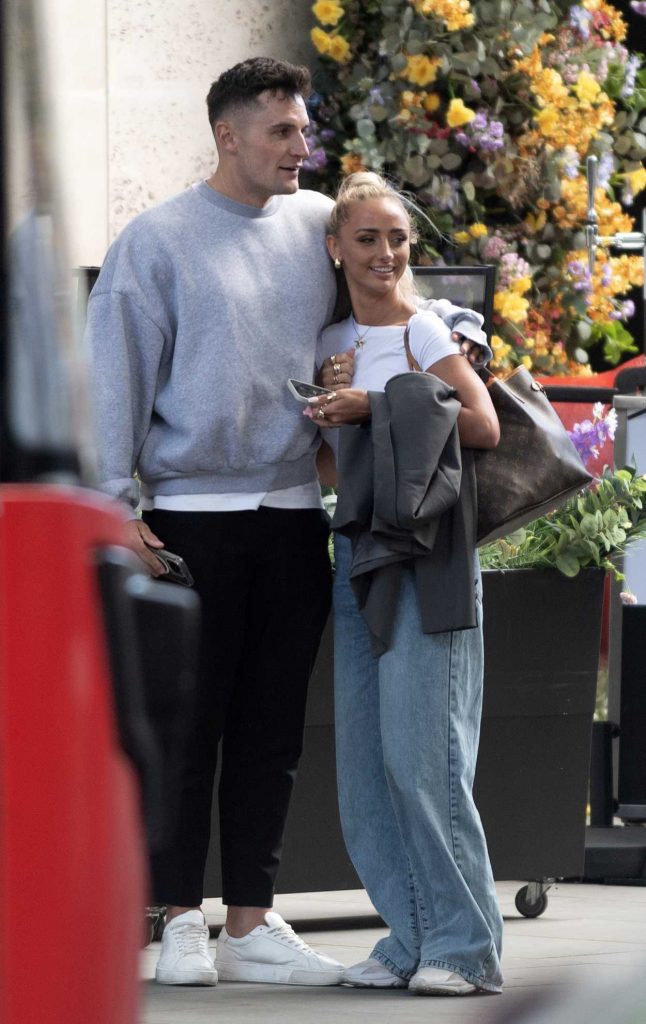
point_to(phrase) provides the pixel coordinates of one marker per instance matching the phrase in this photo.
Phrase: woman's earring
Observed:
(337, 263)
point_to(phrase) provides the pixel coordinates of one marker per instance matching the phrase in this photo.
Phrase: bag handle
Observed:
(413, 365)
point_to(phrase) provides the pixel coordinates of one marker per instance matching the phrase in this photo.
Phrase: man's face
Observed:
(269, 146)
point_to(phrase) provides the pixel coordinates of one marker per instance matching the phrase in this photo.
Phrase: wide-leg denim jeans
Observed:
(407, 730)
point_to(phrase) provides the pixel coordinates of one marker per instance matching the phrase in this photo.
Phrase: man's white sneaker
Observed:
(184, 957)
(274, 953)
(431, 981)
(371, 973)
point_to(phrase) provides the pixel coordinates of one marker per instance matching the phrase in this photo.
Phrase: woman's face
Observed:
(373, 245)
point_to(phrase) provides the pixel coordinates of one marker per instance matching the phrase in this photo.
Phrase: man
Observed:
(205, 306)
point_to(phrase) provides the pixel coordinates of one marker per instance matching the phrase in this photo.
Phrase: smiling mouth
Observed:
(292, 170)
(382, 270)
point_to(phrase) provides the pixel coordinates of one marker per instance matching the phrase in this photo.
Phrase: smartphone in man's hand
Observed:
(176, 569)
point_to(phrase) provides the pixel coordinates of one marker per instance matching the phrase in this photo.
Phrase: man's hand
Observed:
(337, 371)
(138, 535)
(350, 405)
(474, 352)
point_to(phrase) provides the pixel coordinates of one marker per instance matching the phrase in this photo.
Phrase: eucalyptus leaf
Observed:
(451, 161)
(365, 128)
(439, 146)
(377, 112)
(568, 564)
(469, 190)
(416, 170)
(623, 144)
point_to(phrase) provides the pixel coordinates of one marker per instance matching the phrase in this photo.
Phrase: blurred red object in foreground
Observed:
(71, 854)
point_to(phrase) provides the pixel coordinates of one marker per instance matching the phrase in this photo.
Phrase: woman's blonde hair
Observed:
(359, 187)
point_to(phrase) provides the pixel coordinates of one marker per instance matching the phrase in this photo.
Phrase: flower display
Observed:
(487, 113)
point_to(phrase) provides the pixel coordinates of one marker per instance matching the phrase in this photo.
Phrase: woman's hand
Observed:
(337, 371)
(350, 405)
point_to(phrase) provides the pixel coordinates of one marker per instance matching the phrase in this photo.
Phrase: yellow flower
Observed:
(321, 40)
(511, 306)
(458, 114)
(637, 179)
(339, 49)
(477, 230)
(547, 119)
(328, 12)
(411, 99)
(587, 88)
(462, 237)
(456, 14)
(431, 102)
(521, 285)
(351, 162)
(421, 70)
(527, 362)
(536, 223)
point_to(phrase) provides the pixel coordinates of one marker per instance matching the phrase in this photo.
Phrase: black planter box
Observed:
(541, 652)
(541, 656)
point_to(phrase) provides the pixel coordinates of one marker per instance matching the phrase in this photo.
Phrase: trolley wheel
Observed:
(530, 909)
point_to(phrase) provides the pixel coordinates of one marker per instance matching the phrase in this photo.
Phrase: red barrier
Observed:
(72, 879)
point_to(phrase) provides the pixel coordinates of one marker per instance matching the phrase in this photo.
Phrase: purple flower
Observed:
(589, 436)
(570, 162)
(605, 169)
(630, 74)
(627, 309)
(606, 275)
(512, 267)
(462, 139)
(582, 281)
(444, 193)
(327, 134)
(375, 96)
(638, 6)
(316, 160)
(494, 248)
(580, 21)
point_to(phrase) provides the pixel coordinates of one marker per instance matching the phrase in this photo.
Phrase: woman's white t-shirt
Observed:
(383, 354)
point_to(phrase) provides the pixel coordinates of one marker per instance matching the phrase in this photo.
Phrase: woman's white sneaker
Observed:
(371, 973)
(431, 981)
(274, 953)
(185, 958)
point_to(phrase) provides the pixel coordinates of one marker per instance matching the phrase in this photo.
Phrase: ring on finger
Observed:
(336, 367)
(333, 360)
(320, 413)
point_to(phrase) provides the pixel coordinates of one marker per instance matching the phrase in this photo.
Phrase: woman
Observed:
(407, 719)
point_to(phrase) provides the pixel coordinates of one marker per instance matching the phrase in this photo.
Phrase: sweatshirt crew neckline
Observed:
(232, 206)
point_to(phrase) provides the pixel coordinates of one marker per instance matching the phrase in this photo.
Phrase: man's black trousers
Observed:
(264, 582)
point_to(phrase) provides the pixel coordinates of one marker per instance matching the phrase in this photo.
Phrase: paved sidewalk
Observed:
(591, 939)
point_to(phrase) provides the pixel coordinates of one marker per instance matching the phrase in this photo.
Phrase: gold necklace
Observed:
(360, 339)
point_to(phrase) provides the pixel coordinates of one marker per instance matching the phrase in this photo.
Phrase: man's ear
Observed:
(225, 135)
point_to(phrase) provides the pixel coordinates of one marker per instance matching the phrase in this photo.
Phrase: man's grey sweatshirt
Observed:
(203, 309)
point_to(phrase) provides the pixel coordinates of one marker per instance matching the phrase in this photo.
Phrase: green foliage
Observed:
(590, 530)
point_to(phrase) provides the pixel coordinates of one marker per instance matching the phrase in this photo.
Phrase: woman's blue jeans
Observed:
(407, 729)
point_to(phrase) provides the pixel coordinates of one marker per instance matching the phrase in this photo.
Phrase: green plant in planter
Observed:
(590, 530)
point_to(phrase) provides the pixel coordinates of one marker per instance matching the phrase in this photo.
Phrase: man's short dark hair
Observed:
(243, 83)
